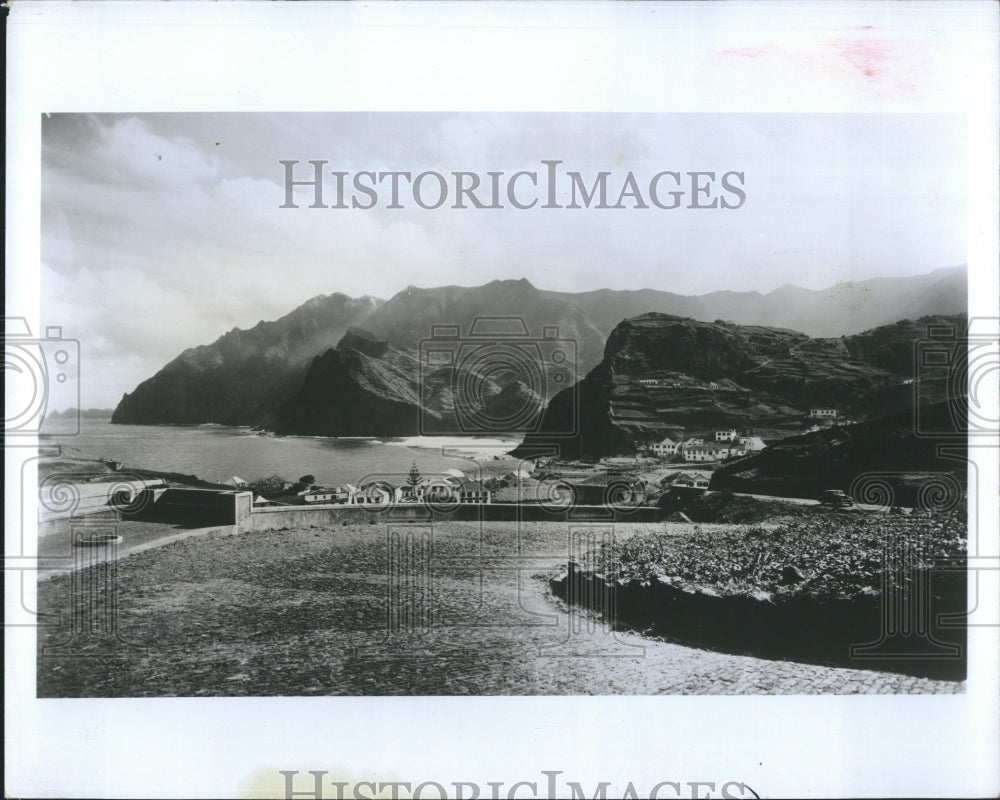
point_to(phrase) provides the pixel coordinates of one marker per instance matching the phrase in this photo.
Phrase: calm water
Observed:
(217, 453)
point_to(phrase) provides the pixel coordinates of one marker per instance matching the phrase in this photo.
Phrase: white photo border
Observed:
(574, 56)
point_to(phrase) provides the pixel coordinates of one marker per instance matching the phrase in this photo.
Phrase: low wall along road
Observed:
(200, 507)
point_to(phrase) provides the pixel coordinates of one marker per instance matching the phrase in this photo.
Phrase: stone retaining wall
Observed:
(862, 632)
(264, 519)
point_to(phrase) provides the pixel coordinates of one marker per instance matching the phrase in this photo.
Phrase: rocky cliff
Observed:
(364, 386)
(661, 372)
(367, 386)
(247, 376)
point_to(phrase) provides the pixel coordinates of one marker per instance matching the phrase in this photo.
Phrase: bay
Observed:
(217, 453)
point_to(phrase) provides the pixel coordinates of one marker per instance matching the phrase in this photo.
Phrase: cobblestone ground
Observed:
(454, 609)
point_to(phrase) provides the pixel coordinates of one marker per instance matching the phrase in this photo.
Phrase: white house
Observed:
(752, 444)
(666, 447)
(474, 492)
(325, 496)
(438, 489)
(726, 436)
(712, 452)
(376, 494)
(703, 452)
(694, 480)
(823, 413)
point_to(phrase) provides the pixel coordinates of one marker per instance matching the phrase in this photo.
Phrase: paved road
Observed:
(58, 555)
(803, 501)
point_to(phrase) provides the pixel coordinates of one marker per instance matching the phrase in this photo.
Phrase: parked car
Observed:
(835, 498)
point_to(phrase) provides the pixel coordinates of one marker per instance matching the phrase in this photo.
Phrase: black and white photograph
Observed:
(431, 403)
(517, 432)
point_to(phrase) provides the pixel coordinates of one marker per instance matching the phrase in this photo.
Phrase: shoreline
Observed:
(268, 432)
(468, 450)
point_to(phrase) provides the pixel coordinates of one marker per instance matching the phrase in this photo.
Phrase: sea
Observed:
(218, 453)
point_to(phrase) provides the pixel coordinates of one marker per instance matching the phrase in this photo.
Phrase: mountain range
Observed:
(338, 365)
(671, 376)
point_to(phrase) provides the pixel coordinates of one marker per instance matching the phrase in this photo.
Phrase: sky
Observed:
(163, 231)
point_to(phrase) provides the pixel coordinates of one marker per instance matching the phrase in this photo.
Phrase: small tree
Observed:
(414, 477)
(307, 480)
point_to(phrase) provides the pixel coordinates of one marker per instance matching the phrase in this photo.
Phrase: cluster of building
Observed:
(444, 489)
(726, 444)
(615, 489)
(669, 383)
(731, 443)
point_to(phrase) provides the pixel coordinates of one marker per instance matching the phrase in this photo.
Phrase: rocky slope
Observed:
(882, 462)
(484, 312)
(662, 372)
(247, 376)
(367, 386)
(363, 385)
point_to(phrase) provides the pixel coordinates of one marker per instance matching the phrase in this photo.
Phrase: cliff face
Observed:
(247, 377)
(483, 311)
(370, 387)
(243, 377)
(349, 392)
(661, 373)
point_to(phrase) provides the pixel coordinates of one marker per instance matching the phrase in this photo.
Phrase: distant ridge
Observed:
(247, 377)
(839, 310)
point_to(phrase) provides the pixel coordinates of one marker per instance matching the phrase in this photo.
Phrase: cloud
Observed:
(138, 156)
(162, 231)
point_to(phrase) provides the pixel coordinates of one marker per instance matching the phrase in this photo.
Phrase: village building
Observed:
(752, 444)
(375, 494)
(438, 489)
(692, 480)
(323, 496)
(473, 492)
(520, 473)
(702, 452)
(663, 448)
(726, 436)
(712, 452)
(823, 413)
